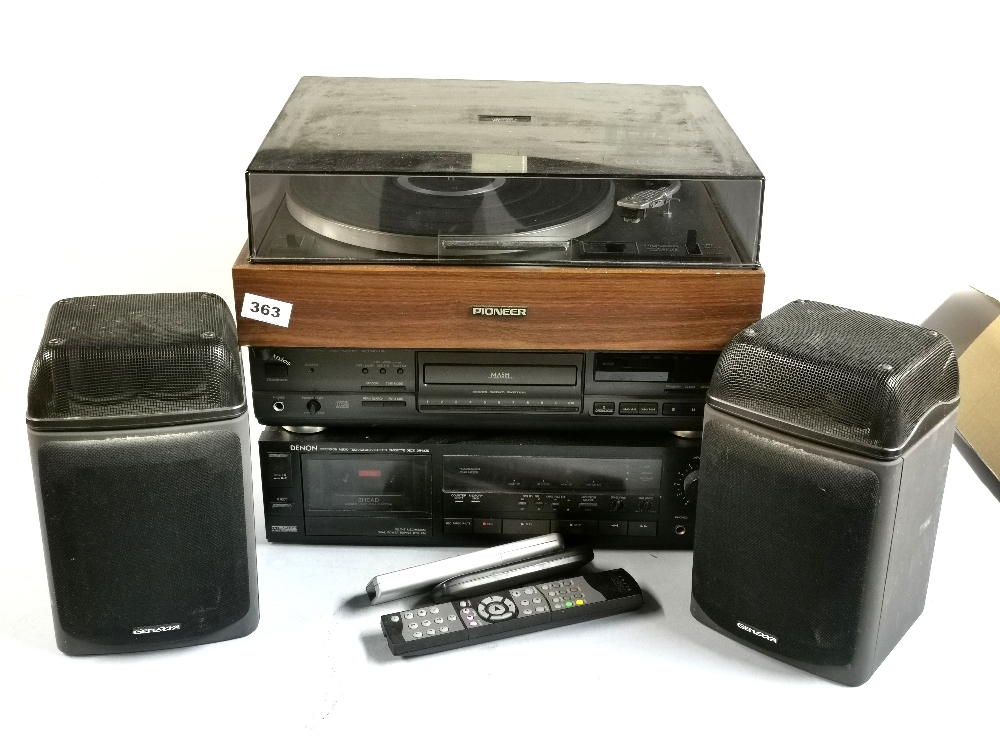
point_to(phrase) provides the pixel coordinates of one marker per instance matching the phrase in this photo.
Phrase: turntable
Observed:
(387, 212)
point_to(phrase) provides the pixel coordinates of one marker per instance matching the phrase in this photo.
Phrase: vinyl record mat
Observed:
(407, 214)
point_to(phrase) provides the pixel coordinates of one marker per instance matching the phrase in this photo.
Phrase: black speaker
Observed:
(140, 444)
(826, 443)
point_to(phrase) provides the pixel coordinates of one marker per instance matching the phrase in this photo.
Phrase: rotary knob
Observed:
(313, 406)
(617, 504)
(690, 485)
(686, 483)
(645, 505)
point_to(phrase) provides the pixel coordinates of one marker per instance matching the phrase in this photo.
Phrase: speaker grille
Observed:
(138, 355)
(782, 543)
(861, 379)
(145, 532)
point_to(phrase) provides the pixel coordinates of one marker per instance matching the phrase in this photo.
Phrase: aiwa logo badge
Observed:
(758, 633)
(146, 630)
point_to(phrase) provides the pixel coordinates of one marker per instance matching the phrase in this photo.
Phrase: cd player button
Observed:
(614, 528)
(604, 407)
(649, 408)
(631, 407)
(486, 526)
(642, 528)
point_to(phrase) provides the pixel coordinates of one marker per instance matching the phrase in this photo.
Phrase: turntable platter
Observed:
(407, 214)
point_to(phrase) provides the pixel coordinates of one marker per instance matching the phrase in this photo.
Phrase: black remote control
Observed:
(509, 612)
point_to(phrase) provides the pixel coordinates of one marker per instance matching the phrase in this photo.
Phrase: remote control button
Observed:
(473, 624)
(565, 583)
(496, 609)
(413, 626)
(579, 601)
(529, 591)
(544, 587)
(515, 593)
(418, 634)
(421, 612)
(431, 631)
(394, 618)
(434, 610)
(443, 628)
(466, 611)
(537, 600)
(568, 604)
(438, 620)
(426, 623)
(575, 588)
(452, 618)
(539, 609)
(408, 616)
(524, 602)
(463, 604)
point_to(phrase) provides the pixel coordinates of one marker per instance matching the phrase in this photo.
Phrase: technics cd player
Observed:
(310, 388)
(471, 489)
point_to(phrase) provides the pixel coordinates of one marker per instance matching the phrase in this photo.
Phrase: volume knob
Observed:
(313, 406)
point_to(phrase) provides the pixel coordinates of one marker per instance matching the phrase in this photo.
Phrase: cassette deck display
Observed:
(300, 388)
(464, 488)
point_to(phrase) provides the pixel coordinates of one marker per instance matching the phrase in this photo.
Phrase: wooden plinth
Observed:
(576, 308)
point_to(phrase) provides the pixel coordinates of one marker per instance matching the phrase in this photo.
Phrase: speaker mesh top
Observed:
(860, 380)
(112, 361)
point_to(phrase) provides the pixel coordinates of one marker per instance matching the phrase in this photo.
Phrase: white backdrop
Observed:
(128, 128)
